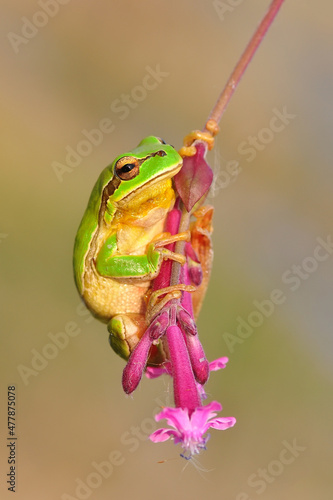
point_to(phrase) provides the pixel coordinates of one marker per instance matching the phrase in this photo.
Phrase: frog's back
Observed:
(87, 229)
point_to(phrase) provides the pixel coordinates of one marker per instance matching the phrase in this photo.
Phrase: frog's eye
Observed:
(127, 168)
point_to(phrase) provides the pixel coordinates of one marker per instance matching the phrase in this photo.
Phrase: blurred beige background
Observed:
(62, 78)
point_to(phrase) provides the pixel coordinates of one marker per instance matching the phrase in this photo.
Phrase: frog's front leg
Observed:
(142, 267)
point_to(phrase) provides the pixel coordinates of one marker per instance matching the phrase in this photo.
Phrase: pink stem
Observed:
(242, 64)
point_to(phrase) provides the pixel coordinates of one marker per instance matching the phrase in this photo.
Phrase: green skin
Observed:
(158, 163)
(151, 168)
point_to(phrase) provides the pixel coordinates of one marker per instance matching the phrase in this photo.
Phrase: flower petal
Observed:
(201, 416)
(222, 423)
(176, 417)
(162, 435)
(218, 364)
(157, 371)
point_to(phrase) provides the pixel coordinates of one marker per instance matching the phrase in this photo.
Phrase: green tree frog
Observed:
(119, 246)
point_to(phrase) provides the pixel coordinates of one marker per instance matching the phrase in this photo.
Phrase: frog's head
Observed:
(151, 162)
(139, 175)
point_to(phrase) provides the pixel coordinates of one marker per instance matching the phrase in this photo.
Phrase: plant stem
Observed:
(242, 64)
(180, 245)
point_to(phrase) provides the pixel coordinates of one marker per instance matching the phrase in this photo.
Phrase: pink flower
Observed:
(189, 428)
